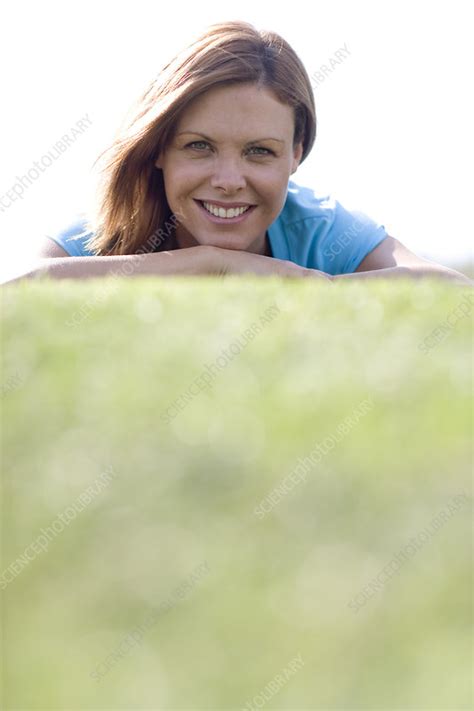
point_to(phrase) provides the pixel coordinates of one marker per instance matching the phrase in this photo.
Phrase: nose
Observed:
(228, 175)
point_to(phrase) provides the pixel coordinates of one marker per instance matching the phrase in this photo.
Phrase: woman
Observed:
(198, 179)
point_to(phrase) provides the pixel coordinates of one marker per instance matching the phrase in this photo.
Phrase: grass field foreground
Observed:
(236, 493)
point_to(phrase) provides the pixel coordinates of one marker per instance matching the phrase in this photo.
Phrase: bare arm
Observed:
(198, 260)
(189, 261)
(415, 272)
(392, 259)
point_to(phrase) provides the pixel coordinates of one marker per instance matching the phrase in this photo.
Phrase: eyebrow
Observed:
(258, 140)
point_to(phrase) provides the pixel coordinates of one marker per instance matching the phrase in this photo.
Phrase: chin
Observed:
(218, 239)
(228, 243)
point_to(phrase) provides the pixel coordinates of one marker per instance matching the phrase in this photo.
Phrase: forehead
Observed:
(237, 108)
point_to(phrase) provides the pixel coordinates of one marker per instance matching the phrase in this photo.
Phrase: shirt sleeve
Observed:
(73, 238)
(347, 240)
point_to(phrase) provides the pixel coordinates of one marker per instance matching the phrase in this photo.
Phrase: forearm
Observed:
(416, 272)
(189, 261)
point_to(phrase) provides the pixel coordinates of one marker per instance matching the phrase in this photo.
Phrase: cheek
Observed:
(272, 180)
(272, 192)
(188, 178)
(176, 172)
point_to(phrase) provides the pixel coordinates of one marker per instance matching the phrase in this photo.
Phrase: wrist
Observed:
(209, 258)
(318, 273)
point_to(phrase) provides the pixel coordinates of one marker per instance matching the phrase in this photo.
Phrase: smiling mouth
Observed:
(237, 212)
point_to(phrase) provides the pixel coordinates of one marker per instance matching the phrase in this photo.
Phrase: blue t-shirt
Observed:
(313, 230)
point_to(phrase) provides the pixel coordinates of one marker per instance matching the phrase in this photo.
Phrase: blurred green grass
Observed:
(89, 370)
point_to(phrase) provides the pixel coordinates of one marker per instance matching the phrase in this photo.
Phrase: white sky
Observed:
(394, 119)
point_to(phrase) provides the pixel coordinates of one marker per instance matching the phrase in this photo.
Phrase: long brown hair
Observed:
(131, 213)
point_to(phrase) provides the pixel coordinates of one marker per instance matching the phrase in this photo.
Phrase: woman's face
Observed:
(233, 144)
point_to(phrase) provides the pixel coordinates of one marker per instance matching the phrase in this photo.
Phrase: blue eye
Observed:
(194, 143)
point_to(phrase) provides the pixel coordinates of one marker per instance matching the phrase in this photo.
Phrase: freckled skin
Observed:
(228, 168)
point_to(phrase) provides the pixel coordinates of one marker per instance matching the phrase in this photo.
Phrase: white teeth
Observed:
(221, 212)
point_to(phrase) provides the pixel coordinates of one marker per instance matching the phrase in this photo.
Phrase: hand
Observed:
(232, 261)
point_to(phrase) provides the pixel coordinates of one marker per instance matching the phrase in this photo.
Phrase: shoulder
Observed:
(73, 236)
(323, 234)
(306, 203)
